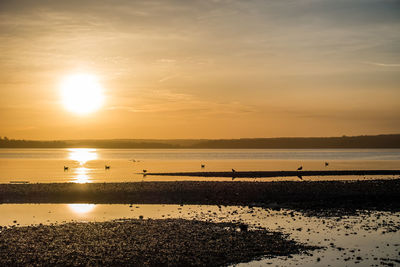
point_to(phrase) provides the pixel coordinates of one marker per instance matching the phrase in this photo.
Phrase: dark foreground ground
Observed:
(313, 195)
(171, 242)
(177, 242)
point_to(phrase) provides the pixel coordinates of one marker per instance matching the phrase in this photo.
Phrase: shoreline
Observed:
(368, 194)
(272, 174)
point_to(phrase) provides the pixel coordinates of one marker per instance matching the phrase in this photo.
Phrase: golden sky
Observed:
(202, 69)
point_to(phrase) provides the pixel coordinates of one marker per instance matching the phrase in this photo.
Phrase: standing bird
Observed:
(66, 168)
(326, 164)
(300, 168)
(107, 167)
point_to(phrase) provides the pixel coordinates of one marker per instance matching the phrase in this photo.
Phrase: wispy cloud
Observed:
(382, 64)
(167, 102)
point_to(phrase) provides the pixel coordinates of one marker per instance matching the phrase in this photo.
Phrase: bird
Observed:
(233, 170)
(66, 168)
(326, 164)
(107, 167)
(300, 177)
(202, 166)
(300, 168)
(144, 171)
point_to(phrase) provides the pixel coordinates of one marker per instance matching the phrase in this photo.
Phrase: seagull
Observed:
(107, 167)
(202, 166)
(326, 164)
(300, 168)
(66, 168)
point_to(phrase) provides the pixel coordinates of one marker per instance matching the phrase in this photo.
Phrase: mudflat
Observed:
(361, 194)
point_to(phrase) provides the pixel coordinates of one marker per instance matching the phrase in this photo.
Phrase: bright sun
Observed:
(81, 93)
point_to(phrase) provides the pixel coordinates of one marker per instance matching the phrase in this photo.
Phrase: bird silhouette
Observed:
(107, 167)
(144, 171)
(326, 164)
(300, 168)
(66, 168)
(202, 166)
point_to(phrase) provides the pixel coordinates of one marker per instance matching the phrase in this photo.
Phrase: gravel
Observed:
(135, 242)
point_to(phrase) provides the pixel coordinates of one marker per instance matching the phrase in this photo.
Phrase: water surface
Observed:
(126, 165)
(367, 239)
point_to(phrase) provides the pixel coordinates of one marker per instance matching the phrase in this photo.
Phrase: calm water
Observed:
(88, 165)
(367, 239)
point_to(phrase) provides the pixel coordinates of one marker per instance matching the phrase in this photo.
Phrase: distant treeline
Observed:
(364, 141)
(11, 143)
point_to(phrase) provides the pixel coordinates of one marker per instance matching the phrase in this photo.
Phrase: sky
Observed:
(202, 69)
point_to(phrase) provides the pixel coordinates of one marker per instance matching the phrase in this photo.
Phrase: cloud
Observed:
(167, 102)
(382, 64)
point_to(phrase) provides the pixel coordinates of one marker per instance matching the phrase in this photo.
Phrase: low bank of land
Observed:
(362, 194)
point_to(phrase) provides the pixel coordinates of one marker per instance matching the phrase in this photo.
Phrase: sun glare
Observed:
(81, 93)
(82, 155)
(81, 208)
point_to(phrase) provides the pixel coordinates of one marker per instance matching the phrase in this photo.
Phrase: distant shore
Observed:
(376, 194)
(363, 141)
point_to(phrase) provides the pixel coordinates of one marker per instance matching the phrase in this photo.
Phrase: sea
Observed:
(86, 165)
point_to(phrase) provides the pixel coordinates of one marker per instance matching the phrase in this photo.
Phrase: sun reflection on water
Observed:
(82, 155)
(81, 208)
(81, 175)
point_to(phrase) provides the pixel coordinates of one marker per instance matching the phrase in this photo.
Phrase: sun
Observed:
(81, 93)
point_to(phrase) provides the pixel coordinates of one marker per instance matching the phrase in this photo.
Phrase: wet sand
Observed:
(313, 195)
(173, 242)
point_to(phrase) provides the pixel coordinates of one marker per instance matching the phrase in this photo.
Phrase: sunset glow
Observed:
(81, 93)
(203, 69)
(190, 128)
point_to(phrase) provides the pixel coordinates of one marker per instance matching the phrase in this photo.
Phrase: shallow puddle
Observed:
(370, 238)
